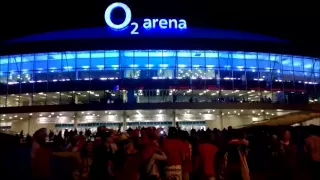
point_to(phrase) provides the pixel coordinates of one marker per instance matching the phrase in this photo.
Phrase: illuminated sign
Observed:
(147, 24)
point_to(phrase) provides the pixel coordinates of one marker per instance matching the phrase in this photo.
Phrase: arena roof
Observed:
(103, 38)
(104, 32)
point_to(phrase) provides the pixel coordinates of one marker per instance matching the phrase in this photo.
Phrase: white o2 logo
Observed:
(148, 24)
(127, 20)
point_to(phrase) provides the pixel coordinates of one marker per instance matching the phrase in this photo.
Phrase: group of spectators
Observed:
(151, 153)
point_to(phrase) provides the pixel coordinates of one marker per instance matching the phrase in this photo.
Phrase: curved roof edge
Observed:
(104, 32)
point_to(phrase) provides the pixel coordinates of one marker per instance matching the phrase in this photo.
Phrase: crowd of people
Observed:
(151, 153)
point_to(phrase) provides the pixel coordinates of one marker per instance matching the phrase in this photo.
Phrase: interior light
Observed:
(134, 65)
(163, 65)
(115, 66)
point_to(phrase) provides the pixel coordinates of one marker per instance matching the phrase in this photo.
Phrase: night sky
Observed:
(298, 23)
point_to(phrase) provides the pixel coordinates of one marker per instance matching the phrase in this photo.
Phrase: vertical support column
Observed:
(29, 101)
(29, 124)
(75, 120)
(124, 117)
(76, 96)
(221, 118)
(130, 96)
(174, 118)
(77, 75)
(125, 96)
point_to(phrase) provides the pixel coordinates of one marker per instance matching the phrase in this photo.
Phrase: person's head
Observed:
(184, 135)
(193, 132)
(313, 130)
(109, 140)
(87, 148)
(286, 135)
(236, 134)
(40, 135)
(148, 137)
(74, 140)
(204, 137)
(128, 147)
(173, 132)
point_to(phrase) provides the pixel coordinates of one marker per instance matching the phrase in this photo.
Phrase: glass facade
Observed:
(186, 118)
(154, 76)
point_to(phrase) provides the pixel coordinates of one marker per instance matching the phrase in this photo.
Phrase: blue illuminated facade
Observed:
(155, 76)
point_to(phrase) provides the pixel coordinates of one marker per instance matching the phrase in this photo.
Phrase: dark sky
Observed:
(296, 22)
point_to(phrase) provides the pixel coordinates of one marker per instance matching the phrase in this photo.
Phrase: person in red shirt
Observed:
(173, 148)
(40, 156)
(187, 156)
(127, 163)
(206, 153)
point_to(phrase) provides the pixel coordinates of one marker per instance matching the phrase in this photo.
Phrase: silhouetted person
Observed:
(312, 148)
(51, 134)
(28, 140)
(66, 134)
(21, 135)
